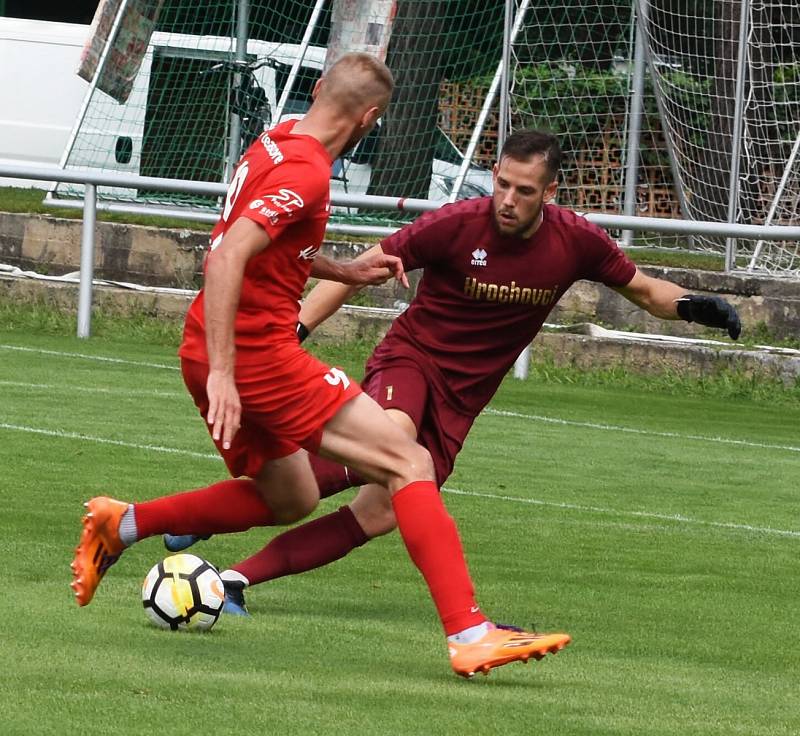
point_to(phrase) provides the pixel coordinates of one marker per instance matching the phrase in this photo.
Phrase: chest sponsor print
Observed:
(511, 293)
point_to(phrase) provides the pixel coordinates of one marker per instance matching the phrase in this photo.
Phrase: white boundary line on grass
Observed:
(488, 411)
(100, 358)
(454, 491)
(638, 514)
(106, 441)
(633, 430)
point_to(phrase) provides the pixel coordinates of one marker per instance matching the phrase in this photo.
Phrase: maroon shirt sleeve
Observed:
(604, 260)
(425, 241)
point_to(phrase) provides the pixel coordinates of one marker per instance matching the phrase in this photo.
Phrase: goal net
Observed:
(209, 82)
(200, 86)
(728, 82)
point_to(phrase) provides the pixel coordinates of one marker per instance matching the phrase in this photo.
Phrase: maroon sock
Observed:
(305, 547)
(228, 506)
(432, 541)
(333, 477)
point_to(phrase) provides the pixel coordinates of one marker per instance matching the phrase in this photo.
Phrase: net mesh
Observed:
(177, 120)
(694, 51)
(571, 72)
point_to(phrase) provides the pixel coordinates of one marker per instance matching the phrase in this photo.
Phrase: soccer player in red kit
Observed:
(494, 268)
(268, 403)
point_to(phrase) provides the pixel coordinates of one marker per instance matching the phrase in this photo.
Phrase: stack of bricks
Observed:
(592, 179)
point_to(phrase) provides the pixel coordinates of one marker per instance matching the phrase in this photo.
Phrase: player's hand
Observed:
(712, 311)
(224, 407)
(375, 268)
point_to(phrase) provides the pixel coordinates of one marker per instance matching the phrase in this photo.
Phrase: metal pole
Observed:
(778, 194)
(634, 131)
(641, 20)
(312, 24)
(523, 362)
(87, 261)
(235, 129)
(504, 121)
(487, 105)
(736, 143)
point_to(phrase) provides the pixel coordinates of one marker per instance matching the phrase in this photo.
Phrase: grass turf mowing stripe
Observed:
(634, 430)
(97, 390)
(678, 518)
(105, 441)
(486, 412)
(84, 356)
(638, 514)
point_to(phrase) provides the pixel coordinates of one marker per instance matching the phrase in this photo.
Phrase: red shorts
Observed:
(403, 384)
(286, 403)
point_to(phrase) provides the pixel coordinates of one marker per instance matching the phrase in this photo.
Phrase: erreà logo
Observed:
(479, 257)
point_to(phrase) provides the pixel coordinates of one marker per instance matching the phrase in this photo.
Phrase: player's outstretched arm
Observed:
(223, 285)
(328, 295)
(371, 267)
(666, 300)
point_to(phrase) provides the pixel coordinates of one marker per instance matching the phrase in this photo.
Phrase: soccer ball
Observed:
(183, 592)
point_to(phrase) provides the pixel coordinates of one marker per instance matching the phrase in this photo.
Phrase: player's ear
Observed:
(550, 190)
(317, 88)
(370, 117)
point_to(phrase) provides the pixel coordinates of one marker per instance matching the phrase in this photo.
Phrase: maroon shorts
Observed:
(286, 403)
(402, 384)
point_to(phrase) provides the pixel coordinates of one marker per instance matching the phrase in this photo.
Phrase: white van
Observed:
(38, 64)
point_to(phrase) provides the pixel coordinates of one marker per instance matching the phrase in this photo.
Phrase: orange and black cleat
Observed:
(99, 548)
(501, 645)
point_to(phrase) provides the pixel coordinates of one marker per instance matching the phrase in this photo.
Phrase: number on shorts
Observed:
(336, 376)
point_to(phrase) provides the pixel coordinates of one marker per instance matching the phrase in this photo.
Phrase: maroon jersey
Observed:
(483, 296)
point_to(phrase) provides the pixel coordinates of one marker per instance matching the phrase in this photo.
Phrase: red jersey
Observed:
(483, 297)
(283, 183)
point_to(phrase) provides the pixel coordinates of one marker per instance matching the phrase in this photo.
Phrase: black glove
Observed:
(712, 311)
(302, 331)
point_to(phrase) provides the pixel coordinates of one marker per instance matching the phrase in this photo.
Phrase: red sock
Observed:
(431, 538)
(305, 547)
(228, 506)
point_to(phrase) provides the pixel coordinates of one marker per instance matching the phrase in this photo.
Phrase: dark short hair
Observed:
(524, 144)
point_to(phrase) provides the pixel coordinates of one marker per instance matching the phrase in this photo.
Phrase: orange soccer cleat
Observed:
(501, 645)
(99, 548)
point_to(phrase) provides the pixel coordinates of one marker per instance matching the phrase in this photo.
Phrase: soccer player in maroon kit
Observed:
(494, 268)
(268, 403)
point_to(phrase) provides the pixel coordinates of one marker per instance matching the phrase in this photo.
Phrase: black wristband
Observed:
(302, 331)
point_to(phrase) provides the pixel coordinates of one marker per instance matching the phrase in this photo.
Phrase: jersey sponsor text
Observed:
(509, 293)
(272, 149)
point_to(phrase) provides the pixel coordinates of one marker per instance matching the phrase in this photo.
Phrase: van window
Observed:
(300, 97)
(184, 132)
(75, 11)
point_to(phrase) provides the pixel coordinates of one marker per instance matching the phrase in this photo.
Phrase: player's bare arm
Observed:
(223, 284)
(666, 300)
(653, 295)
(369, 268)
(327, 296)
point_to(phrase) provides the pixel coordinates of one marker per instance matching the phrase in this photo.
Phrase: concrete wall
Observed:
(162, 257)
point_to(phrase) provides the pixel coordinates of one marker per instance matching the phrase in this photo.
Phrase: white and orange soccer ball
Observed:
(183, 592)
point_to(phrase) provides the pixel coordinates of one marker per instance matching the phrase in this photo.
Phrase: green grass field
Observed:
(660, 530)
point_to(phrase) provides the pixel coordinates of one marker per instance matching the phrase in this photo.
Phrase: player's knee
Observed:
(414, 463)
(294, 509)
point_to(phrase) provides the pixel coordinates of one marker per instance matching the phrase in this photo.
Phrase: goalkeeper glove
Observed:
(302, 331)
(712, 311)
